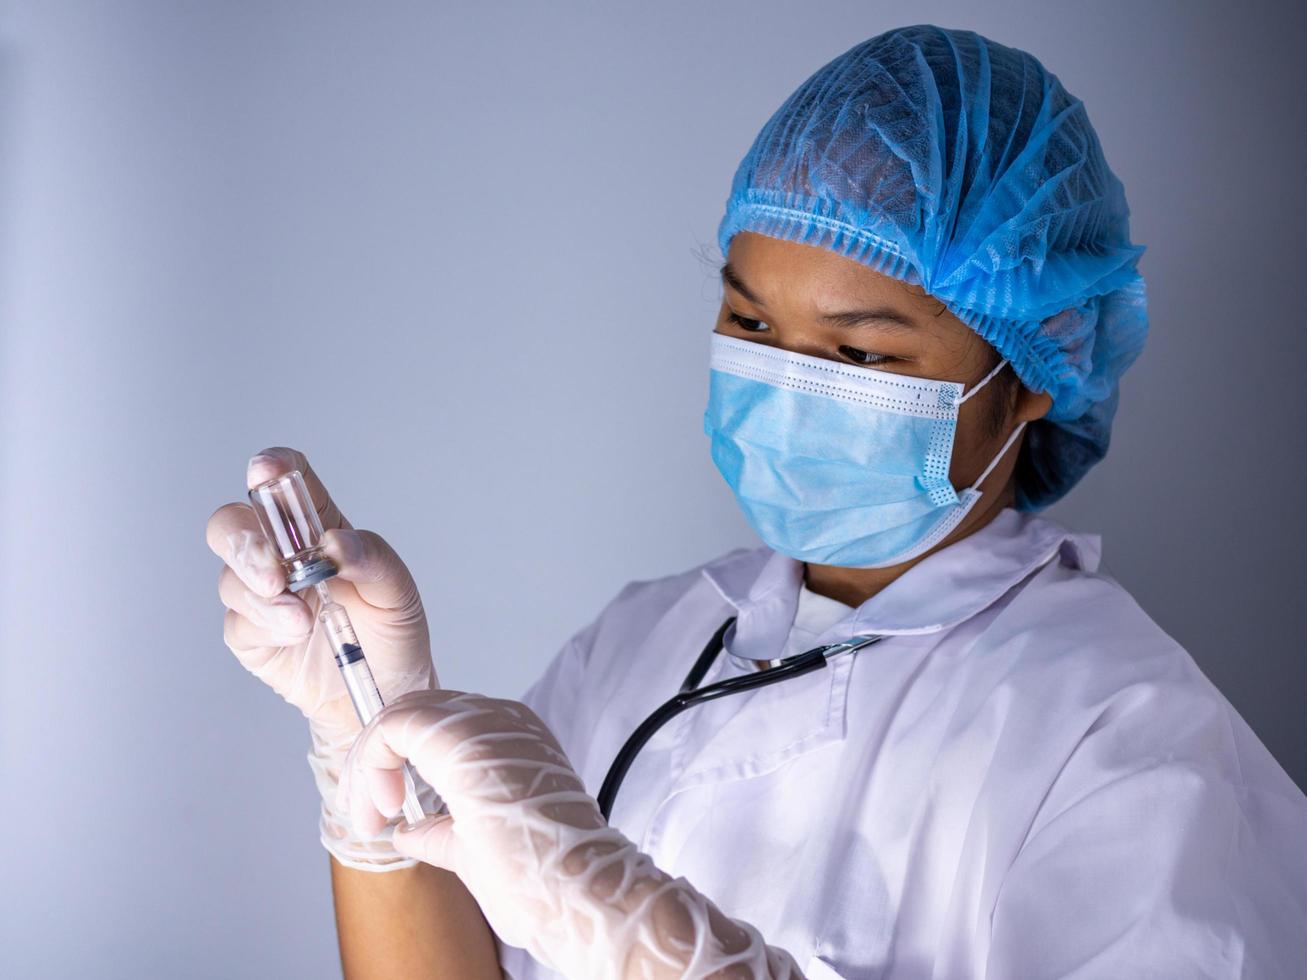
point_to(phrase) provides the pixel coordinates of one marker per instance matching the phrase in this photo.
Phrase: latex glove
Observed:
(532, 847)
(276, 636)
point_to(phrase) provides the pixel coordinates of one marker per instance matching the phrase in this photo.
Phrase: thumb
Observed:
(277, 461)
(432, 841)
(365, 560)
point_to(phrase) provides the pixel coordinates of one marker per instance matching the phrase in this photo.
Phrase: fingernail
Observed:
(262, 462)
(426, 821)
(264, 459)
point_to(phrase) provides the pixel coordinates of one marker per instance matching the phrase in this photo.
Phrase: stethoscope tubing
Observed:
(691, 694)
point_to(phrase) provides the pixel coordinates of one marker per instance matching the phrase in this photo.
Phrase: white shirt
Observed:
(814, 615)
(1026, 779)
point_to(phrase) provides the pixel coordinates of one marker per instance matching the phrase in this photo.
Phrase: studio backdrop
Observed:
(463, 257)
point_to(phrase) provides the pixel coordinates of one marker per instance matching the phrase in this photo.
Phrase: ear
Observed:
(1032, 405)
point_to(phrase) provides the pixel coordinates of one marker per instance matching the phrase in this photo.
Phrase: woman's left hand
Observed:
(532, 847)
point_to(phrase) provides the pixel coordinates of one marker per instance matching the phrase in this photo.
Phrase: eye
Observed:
(745, 323)
(863, 357)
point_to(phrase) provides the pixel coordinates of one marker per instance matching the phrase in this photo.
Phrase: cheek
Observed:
(971, 447)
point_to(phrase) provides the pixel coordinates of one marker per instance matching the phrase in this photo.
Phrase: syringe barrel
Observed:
(360, 683)
(349, 658)
(362, 690)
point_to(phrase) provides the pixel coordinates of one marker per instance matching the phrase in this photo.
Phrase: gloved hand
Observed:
(276, 636)
(533, 849)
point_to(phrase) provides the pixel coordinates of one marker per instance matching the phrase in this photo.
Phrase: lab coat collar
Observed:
(943, 590)
(742, 737)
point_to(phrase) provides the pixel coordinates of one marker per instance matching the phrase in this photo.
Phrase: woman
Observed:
(929, 297)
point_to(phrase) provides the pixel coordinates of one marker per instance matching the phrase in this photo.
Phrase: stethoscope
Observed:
(690, 694)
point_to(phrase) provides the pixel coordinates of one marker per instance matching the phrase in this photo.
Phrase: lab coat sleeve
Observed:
(558, 694)
(564, 696)
(1161, 850)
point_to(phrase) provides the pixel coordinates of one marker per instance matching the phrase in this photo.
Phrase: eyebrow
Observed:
(849, 318)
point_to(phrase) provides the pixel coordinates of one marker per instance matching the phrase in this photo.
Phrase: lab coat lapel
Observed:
(750, 734)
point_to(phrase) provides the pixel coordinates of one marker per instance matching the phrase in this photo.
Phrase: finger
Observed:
(275, 461)
(431, 841)
(283, 615)
(354, 793)
(233, 534)
(254, 645)
(414, 727)
(379, 576)
(386, 789)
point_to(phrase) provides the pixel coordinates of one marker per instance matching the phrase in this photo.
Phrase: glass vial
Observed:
(289, 520)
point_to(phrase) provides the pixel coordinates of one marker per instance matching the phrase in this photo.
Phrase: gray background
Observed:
(452, 255)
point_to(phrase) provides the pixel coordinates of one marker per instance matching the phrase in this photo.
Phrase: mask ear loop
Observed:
(1001, 453)
(983, 381)
(1010, 439)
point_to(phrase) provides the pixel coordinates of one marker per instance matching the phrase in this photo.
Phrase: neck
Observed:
(854, 586)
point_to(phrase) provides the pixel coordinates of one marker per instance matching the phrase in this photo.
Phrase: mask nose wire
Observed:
(983, 381)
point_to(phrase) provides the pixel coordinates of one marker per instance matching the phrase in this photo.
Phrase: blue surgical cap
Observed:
(961, 165)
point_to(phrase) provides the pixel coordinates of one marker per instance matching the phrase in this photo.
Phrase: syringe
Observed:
(358, 680)
(290, 522)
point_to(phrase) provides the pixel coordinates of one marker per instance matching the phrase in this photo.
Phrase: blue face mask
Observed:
(833, 463)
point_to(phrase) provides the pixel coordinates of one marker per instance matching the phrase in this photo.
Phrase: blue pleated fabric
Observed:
(946, 160)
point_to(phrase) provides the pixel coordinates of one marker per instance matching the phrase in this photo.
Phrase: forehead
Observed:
(809, 288)
(789, 272)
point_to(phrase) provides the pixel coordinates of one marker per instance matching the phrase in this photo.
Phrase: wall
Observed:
(454, 255)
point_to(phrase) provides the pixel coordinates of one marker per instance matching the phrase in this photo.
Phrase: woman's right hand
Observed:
(275, 634)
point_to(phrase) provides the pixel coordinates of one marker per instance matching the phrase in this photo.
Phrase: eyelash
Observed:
(855, 355)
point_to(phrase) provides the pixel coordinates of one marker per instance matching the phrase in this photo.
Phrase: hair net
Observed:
(961, 165)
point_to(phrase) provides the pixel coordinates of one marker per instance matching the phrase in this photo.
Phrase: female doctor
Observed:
(929, 297)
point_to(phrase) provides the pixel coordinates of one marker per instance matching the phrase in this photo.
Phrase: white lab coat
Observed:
(1027, 779)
